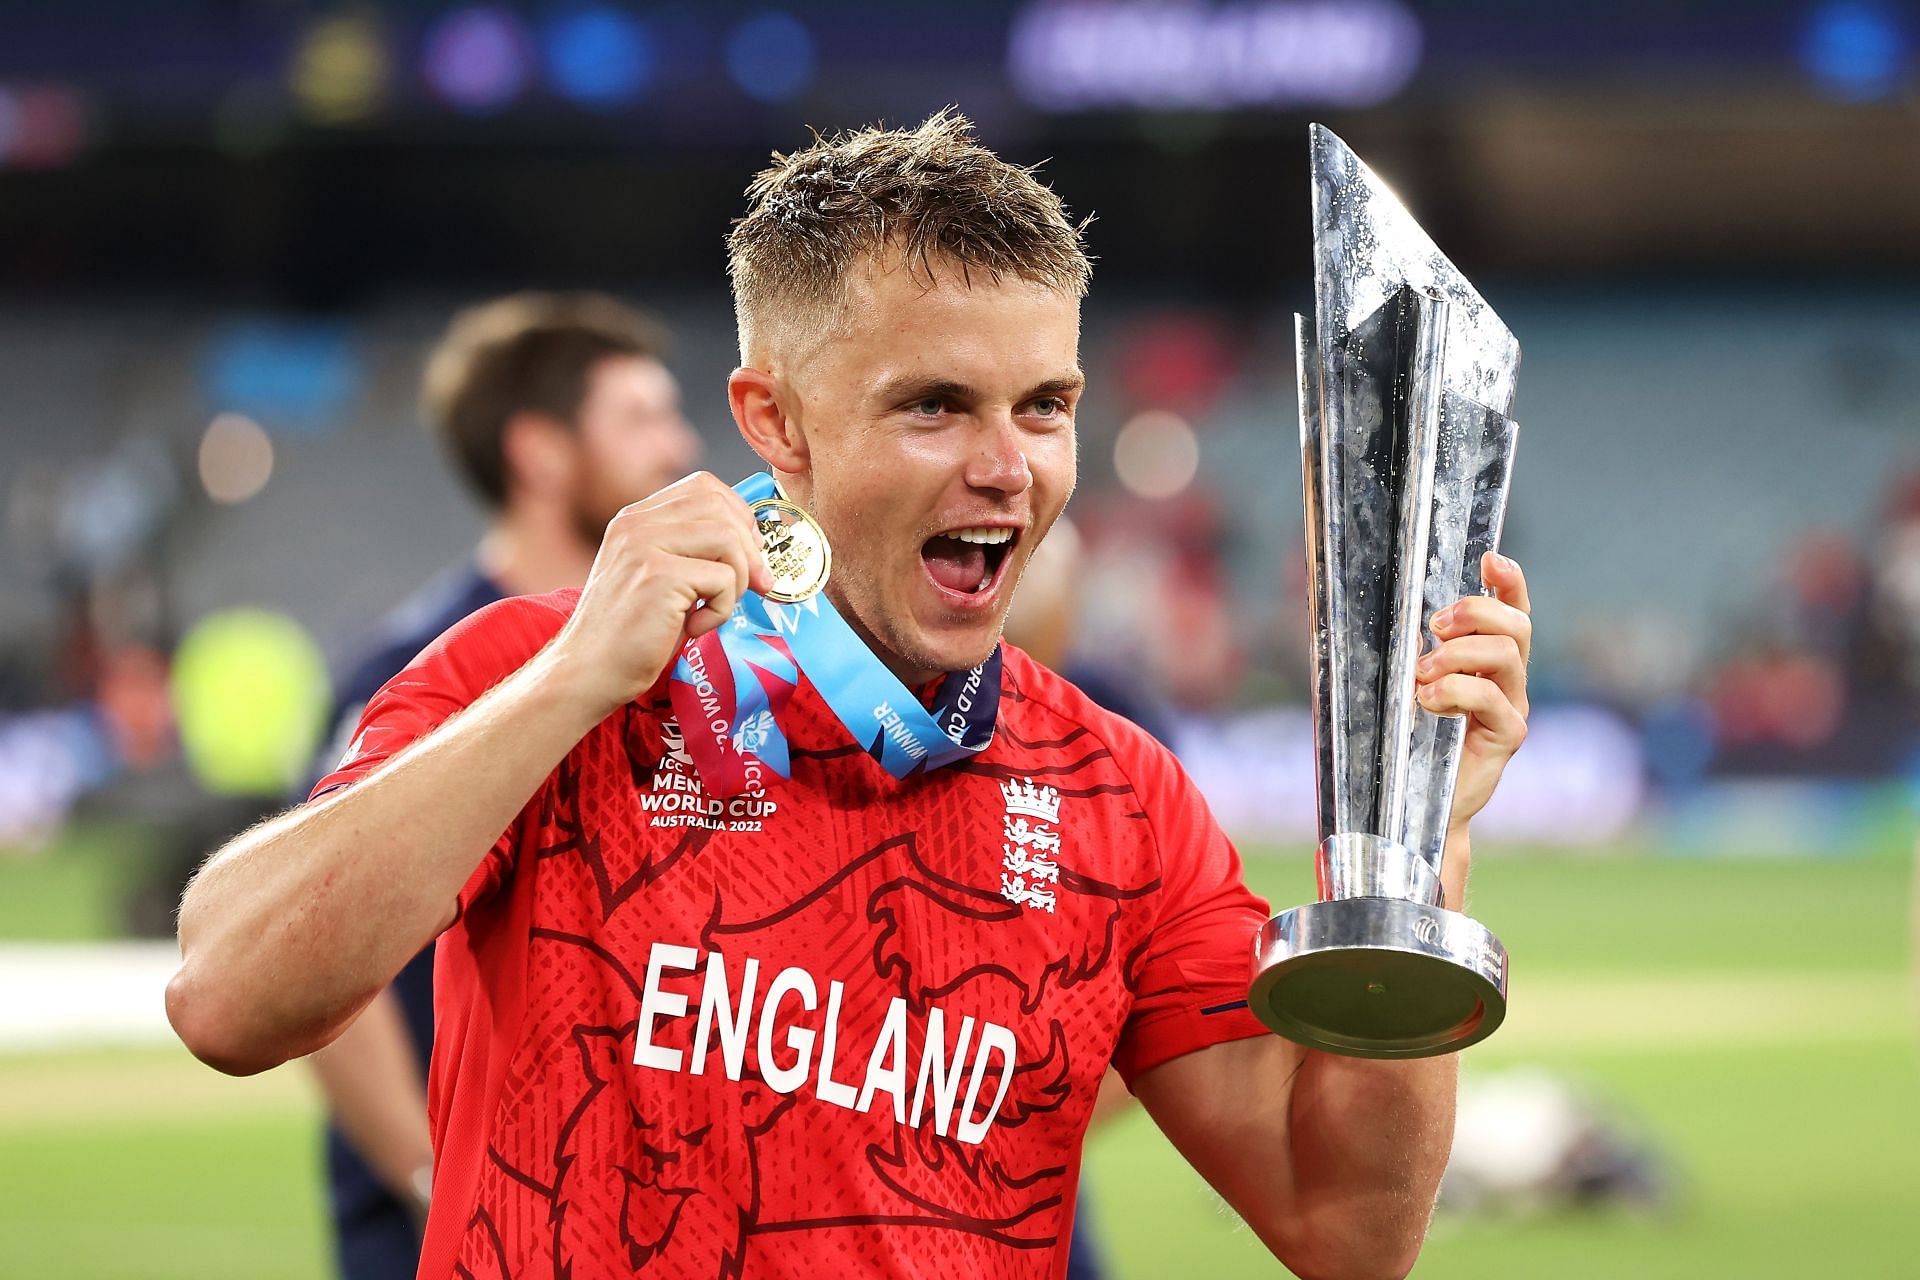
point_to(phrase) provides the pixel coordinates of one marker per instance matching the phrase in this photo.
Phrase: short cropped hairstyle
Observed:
(934, 191)
(526, 353)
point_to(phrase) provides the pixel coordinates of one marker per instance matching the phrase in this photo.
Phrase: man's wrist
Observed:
(1456, 859)
(565, 687)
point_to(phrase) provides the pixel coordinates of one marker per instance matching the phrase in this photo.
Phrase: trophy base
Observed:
(1379, 978)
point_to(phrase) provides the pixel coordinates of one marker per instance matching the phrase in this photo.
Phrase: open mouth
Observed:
(967, 562)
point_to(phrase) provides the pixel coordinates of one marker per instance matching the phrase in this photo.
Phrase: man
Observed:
(556, 410)
(850, 1022)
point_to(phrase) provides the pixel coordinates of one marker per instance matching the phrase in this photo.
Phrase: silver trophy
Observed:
(1406, 380)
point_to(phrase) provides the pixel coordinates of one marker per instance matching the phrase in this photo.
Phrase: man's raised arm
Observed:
(288, 931)
(1335, 1162)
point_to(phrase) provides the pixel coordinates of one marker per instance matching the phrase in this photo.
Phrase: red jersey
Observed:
(852, 1025)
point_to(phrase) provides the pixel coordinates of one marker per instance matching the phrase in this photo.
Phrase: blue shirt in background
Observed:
(375, 1235)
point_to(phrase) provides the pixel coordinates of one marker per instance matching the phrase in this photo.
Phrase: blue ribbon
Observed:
(766, 645)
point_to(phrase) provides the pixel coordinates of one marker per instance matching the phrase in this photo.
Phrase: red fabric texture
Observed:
(850, 1026)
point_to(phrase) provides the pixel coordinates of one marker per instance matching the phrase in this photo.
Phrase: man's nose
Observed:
(999, 460)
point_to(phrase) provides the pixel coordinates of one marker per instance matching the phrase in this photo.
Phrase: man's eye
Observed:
(930, 407)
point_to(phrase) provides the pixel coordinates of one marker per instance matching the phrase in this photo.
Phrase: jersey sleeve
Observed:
(470, 658)
(1190, 981)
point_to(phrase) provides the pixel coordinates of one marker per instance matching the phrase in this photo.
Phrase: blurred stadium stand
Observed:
(228, 230)
(1677, 447)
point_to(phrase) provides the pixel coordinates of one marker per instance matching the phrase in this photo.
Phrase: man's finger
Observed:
(1509, 583)
(718, 539)
(719, 500)
(759, 575)
(1497, 657)
(1487, 616)
(1482, 701)
(716, 584)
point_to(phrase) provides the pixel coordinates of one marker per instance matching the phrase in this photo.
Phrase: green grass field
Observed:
(1756, 1016)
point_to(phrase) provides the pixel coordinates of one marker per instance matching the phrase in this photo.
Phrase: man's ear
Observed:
(757, 399)
(540, 453)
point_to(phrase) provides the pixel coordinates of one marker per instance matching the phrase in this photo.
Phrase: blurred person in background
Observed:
(1044, 620)
(557, 410)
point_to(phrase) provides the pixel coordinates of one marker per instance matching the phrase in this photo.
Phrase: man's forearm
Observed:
(287, 932)
(1370, 1141)
(1371, 1138)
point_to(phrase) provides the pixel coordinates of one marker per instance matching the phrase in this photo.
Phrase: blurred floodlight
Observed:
(1156, 455)
(770, 56)
(1857, 49)
(340, 69)
(1069, 55)
(236, 458)
(599, 56)
(477, 59)
(41, 127)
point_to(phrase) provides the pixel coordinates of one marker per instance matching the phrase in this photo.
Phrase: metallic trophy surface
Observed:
(1406, 380)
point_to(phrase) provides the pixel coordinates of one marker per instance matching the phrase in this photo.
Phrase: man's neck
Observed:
(920, 679)
(528, 553)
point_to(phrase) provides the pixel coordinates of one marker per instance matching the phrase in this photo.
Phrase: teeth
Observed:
(985, 582)
(986, 537)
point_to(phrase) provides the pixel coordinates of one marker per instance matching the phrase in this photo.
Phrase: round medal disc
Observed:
(797, 550)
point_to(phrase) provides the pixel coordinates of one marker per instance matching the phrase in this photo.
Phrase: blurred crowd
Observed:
(1816, 675)
(112, 670)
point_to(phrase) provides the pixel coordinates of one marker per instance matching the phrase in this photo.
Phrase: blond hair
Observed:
(933, 191)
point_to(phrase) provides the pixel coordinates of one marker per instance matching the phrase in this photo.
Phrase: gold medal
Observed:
(797, 550)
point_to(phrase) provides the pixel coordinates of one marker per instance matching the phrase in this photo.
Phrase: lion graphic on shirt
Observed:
(661, 1165)
(675, 1169)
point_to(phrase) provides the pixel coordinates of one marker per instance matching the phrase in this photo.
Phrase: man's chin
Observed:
(961, 652)
(918, 659)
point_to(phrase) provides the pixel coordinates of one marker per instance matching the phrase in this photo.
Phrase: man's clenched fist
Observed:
(670, 567)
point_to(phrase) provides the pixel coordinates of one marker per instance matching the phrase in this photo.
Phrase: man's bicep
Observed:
(1226, 1108)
